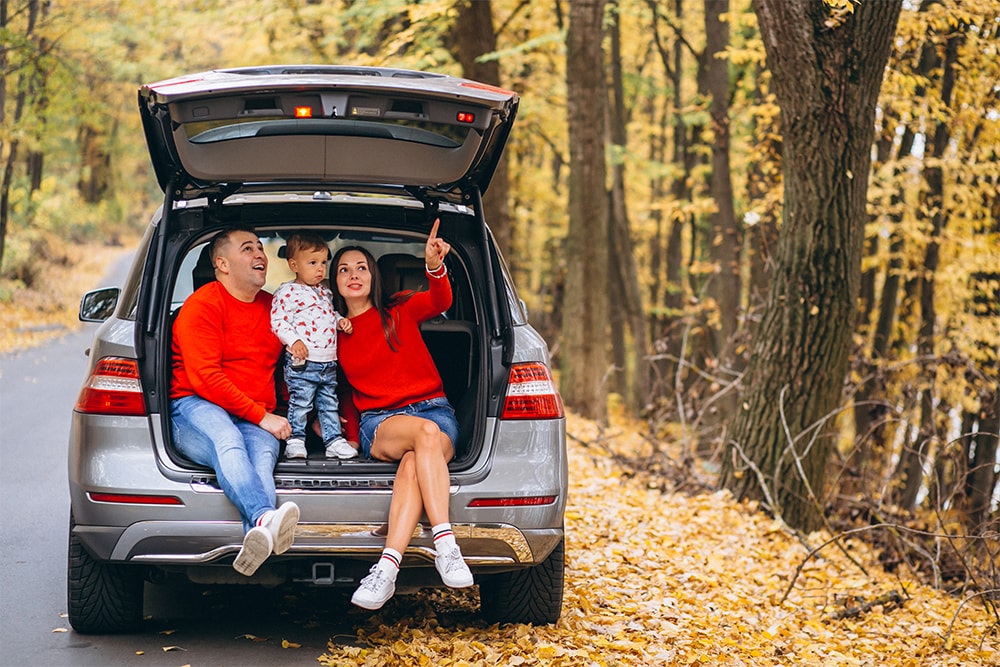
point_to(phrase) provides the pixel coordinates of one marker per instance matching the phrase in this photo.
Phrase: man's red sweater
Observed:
(224, 351)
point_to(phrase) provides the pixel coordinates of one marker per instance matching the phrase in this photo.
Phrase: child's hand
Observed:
(299, 350)
(345, 325)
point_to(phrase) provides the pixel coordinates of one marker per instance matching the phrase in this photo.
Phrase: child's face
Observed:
(309, 266)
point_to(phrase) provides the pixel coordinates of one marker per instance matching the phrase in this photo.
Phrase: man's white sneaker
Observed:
(340, 449)
(452, 568)
(257, 546)
(280, 523)
(375, 589)
(296, 449)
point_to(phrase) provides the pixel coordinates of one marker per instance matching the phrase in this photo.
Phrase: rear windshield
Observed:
(432, 134)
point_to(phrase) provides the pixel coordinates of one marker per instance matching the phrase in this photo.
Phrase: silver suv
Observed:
(367, 156)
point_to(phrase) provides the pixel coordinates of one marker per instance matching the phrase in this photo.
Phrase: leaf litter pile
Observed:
(662, 578)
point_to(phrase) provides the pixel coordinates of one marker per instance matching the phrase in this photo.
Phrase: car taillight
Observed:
(531, 393)
(113, 389)
(133, 499)
(527, 501)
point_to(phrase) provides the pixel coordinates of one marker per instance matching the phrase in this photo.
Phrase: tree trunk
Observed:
(726, 236)
(870, 408)
(911, 464)
(584, 355)
(827, 69)
(20, 102)
(95, 167)
(981, 455)
(474, 37)
(670, 323)
(624, 271)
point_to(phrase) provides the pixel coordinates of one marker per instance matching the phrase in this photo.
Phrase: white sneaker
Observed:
(296, 449)
(340, 449)
(452, 568)
(280, 523)
(375, 589)
(257, 546)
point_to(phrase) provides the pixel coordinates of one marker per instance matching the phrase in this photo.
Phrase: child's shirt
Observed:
(305, 312)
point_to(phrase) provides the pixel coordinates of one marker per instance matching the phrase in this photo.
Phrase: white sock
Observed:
(443, 535)
(389, 562)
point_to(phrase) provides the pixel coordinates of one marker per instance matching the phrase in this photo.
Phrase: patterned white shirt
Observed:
(304, 312)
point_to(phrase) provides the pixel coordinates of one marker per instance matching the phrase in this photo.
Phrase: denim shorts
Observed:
(437, 410)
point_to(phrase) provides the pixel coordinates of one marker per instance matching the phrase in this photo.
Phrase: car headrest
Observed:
(402, 272)
(203, 271)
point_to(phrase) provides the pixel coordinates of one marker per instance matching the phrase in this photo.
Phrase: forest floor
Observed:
(666, 578)
(653, 576)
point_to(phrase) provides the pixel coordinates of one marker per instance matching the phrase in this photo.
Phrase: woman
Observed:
(405, 416)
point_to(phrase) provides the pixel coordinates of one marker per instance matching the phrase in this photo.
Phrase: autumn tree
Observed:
(827, 66)
(583, 351)
(473, 41)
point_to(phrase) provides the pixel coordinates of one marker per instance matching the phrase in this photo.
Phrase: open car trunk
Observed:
(468, 355)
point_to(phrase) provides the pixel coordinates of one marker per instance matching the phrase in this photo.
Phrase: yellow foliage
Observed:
(667, 579)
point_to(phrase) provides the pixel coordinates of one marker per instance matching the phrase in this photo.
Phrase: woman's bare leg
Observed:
(430, 450)
(405, 506)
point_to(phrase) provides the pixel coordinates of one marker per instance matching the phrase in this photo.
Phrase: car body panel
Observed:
(364, 126)
(137, 504)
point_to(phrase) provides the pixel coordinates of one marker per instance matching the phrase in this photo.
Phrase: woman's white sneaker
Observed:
(375, 589)
(452, 568)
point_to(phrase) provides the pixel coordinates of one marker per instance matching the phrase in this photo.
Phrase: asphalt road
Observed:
(221, 625)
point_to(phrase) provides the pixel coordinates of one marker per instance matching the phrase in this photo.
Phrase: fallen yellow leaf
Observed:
(287, 644)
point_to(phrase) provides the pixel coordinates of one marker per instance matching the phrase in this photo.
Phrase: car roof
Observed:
(324, 126)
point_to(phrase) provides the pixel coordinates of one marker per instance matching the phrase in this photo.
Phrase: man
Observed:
(223, 395)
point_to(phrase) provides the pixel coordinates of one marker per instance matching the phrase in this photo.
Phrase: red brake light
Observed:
(303, 112)
(528, 501)
(134, 499)
(113, 388)
(531, 393)
(466, 117)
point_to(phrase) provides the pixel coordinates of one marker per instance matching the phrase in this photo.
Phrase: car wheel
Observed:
(532, 595)
(102, 598)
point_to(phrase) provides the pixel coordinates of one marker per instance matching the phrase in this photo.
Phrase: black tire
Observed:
(532, 595)
(102, 598)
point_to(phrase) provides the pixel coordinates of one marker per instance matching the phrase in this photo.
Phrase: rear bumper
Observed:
(485, 547)
(202, 528)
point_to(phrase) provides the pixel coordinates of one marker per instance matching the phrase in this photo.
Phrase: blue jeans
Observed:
(316, 382)
(241, 454)
(437, 410)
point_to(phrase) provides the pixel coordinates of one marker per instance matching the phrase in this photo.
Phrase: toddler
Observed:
(303, 318)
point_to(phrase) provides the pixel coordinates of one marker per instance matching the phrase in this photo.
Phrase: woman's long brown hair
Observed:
(381, 300)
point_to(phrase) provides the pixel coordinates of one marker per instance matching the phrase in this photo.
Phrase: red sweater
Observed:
(381, 378)
(224, 351)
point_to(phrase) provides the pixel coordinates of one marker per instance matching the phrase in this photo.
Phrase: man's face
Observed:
(242, 259)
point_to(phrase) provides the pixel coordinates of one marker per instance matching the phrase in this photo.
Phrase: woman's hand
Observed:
(436, 249)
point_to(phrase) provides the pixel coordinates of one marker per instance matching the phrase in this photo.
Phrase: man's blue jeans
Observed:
(313, 385)
(241, 454)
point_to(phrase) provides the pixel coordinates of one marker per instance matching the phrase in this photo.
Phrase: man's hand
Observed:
(276, 425)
